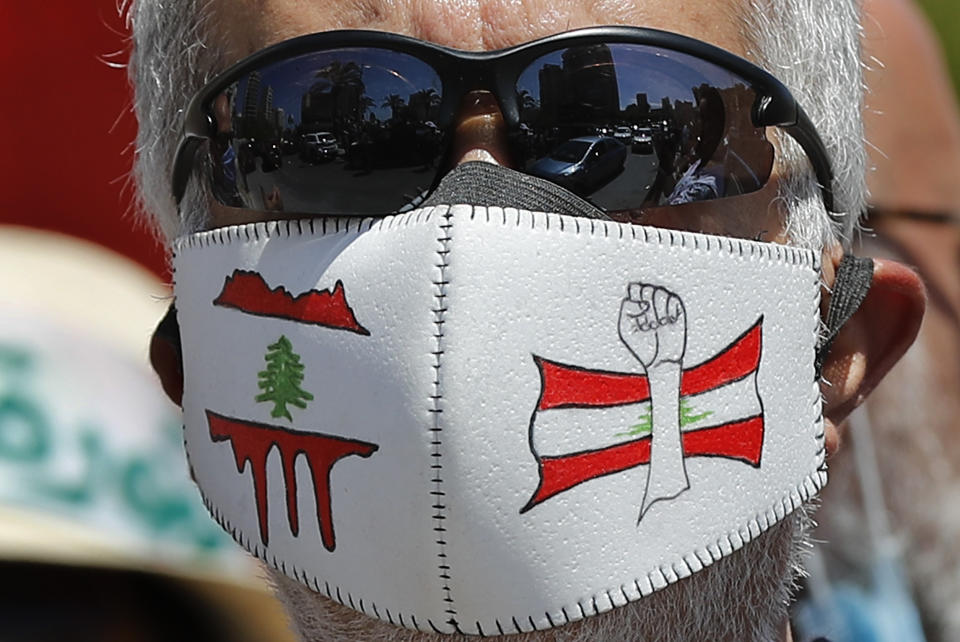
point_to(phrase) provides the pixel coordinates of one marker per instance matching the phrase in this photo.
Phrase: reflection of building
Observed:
(551, 93)
(324, 103)
(266, 108)
(643, 107)
(590, 84)
(258, 118)
(583, 90)
(251, 100)
(316, 106)
(663, 113)
(685, 112)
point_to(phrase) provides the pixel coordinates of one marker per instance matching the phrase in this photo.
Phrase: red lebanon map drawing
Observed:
(729, 425)
(252, 442)
(248, 292)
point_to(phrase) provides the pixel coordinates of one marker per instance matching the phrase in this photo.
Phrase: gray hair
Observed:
(171, 60)
(742, 597)
(811, 45)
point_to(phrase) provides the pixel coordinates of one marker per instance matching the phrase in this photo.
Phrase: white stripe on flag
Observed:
(562, 431)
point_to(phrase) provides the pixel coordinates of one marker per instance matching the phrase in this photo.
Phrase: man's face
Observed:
(243, 27)
(251, 25)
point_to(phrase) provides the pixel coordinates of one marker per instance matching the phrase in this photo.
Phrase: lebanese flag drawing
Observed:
(591, 423)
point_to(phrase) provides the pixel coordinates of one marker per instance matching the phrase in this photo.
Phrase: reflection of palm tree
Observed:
(395, 103)
(366, 102)
(429, 96)
(340, 74)
(346, 86)
(423, 103)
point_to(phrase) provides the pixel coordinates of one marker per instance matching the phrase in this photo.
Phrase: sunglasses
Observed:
(360, 122)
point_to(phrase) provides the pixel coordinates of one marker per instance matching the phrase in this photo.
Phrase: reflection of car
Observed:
(623, 134)
(318, 146)
(642, 141)
(582, 164)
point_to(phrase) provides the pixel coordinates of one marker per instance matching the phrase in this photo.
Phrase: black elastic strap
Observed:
(854, 277)
(169, 330)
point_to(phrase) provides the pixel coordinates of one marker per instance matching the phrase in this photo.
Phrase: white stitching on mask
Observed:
(436, 412)
(658, 577)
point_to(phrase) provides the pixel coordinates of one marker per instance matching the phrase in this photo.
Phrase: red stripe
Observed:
(566, 386)
(742, 440)
(736, 361)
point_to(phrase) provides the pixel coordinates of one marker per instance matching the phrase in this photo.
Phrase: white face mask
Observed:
(444, 418)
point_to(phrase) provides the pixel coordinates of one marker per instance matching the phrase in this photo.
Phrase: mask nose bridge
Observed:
(489, 185)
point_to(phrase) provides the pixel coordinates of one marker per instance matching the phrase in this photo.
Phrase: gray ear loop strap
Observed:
(854, 277)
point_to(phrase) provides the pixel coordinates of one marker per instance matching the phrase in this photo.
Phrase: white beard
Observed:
(742, 597)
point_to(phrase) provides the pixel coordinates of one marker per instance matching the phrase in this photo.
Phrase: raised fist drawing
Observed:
(653, 325)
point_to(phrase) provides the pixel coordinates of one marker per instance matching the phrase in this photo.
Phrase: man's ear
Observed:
(872, 341)
(166, 355)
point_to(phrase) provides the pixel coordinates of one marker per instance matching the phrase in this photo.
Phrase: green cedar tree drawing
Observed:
(645, 427)
(281, 380)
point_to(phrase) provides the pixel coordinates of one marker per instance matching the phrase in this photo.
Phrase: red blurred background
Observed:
(66, 125)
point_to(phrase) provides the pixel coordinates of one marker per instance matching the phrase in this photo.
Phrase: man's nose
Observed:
(480, 133)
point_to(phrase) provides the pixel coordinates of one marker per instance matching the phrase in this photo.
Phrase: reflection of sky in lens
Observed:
(655, 72)
(384, 73)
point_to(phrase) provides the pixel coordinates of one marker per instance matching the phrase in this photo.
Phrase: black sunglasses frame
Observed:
(498, 71)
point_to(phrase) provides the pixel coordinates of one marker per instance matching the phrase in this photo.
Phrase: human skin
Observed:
(245, 26)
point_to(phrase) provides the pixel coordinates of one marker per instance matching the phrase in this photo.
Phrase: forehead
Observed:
(250, 25)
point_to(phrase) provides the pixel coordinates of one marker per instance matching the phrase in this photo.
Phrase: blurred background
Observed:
(102, 536)
(944, 15)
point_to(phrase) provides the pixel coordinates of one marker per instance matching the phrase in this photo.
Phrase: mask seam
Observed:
(660, 577)
(508, 216)
(819, 433)
(435, 410)
(698, 241)
(320, 227)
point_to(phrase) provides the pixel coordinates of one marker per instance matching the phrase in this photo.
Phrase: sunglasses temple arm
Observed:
(183, 165)
(805, 133)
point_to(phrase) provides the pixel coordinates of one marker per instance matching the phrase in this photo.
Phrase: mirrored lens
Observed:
(632, 126)
(343, 131)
